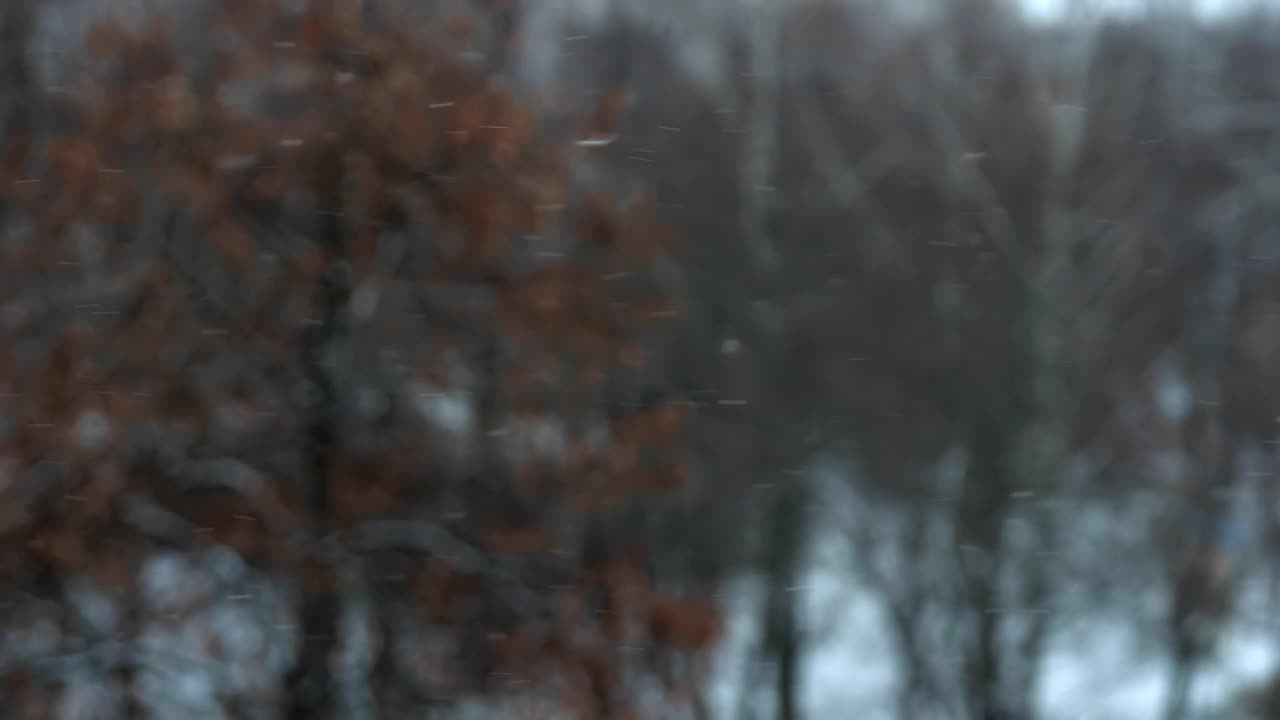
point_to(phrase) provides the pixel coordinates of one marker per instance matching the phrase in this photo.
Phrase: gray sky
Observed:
(1056, 9)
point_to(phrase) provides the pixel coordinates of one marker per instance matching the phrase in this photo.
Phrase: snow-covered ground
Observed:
(1096, 667)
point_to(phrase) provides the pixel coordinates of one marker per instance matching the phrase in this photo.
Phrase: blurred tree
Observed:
(989, 239)
(310, 283)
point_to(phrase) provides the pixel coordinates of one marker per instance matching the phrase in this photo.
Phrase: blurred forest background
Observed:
(675, 359)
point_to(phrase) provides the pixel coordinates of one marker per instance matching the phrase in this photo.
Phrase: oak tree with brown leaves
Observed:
(308, 281)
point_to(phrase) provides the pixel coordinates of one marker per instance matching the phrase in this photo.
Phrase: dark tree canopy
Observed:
(308, 281)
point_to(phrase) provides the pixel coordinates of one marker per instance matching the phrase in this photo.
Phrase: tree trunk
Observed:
(310, 682)
(1179, 686)
(981, 525)
(782, 629)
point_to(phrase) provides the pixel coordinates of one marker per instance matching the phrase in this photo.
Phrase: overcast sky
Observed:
(1054, 9)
